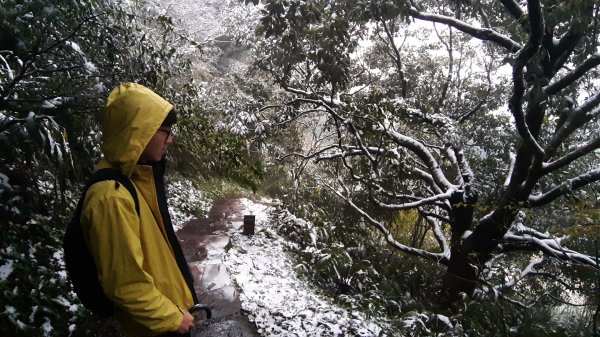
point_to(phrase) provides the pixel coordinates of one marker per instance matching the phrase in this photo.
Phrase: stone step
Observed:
(222, 301)
(214, 276)
(205, 242)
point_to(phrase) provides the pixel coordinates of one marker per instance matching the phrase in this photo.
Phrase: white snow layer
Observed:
(6, 269)
(183, 200)
(276, 299)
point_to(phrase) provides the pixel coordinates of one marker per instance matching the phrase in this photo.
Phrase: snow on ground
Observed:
(275, 298)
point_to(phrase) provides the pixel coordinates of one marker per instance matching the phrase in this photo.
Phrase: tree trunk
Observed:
(469, 255)
(461, 275)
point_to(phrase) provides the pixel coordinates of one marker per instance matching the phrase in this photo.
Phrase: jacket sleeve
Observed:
(112, 229)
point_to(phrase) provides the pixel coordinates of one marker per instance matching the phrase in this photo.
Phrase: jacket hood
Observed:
(133, 114)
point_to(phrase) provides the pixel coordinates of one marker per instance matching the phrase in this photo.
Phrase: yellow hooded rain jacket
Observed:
(136, 262)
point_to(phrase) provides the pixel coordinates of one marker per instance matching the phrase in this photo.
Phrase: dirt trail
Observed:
(204, 242)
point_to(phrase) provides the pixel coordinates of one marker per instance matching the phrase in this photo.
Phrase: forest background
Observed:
(445, 151)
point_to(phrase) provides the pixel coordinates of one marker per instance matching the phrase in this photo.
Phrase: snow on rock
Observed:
(275, 298)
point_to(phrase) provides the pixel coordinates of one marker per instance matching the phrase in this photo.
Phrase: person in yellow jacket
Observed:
(140, 264)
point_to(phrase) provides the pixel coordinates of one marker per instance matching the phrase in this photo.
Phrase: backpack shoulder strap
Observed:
(112, 174)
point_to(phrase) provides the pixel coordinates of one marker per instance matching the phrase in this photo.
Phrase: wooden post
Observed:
(249, 222)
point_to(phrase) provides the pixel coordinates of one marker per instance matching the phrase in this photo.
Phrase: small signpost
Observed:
(249, 222)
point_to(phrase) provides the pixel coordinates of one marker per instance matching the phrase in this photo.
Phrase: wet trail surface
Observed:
(204, 243)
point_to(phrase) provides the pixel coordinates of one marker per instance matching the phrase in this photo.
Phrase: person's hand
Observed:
(187, 323)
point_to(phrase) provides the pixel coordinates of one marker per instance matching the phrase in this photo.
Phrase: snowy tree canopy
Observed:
(467, 113)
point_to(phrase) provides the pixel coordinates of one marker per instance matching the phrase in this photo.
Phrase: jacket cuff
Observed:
(177, 323)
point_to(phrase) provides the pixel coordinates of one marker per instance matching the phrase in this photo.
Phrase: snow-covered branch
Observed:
(465, 115)
(589, 109)
(576, 118)
(7, 123)
(499, 291)
(298, 115)
(352, 151)
(436, 228)
(491, 292)
(561, 52)
(32, 55)
(551, 247)
(511, 168)
(434, 119)
(564, 188)
(7, 69)
(573, 75)
(520, 229)
(391, 45)
(360, 142)
(485, 34)
(442, 258)
(570, 157)
(536, 26)
(435, 216)
(329, 101)
(443, 203)
(525, 272)
(424, 154)
(308, 156)
(408, 205)
(466, 173)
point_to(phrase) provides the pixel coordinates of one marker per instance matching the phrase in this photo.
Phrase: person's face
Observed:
(157, 147)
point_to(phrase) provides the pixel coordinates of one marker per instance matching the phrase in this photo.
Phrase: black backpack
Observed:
(79, 262)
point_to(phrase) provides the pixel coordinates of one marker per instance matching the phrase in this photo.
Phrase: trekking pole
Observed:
(198, 307)
(200, 323)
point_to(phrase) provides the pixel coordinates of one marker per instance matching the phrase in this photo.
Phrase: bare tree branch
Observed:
(449, 49)
(515, 10)
(310, 155)
(465, 115)
(395, 56)
(523, 56)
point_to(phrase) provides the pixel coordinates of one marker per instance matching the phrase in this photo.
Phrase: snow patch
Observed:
(277, 300)
(6, 269)
(445, 320)
(4, 182)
